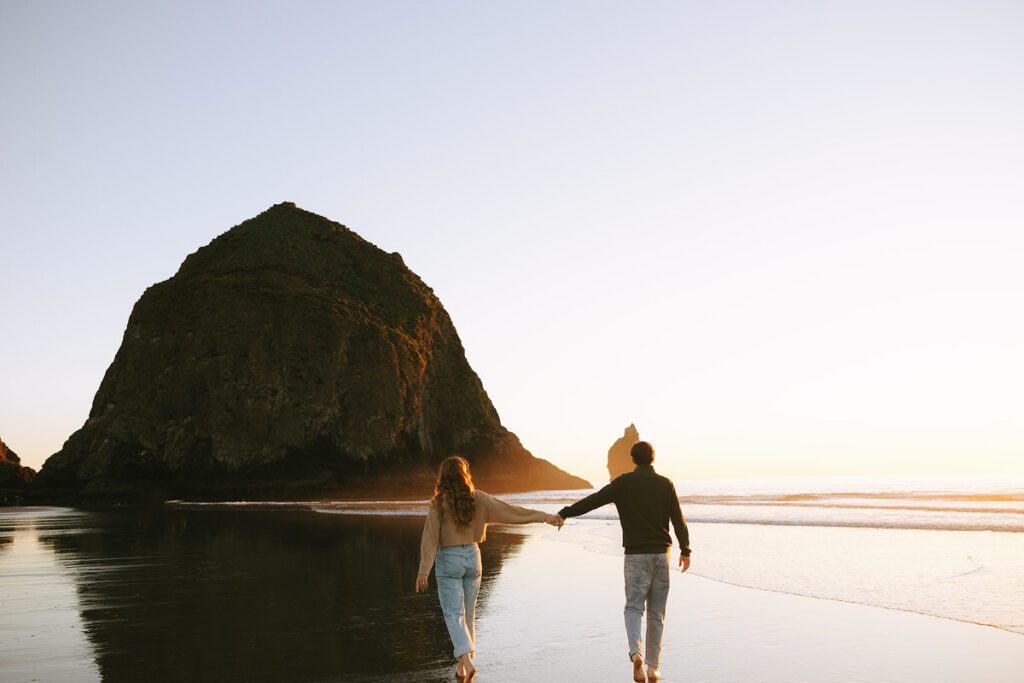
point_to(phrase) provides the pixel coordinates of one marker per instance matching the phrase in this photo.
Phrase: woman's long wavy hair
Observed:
(454, 490)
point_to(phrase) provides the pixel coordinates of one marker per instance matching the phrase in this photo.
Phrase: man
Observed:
(646, 502)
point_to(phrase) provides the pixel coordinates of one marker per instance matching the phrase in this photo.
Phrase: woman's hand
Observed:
(555, 520)
(421, 583)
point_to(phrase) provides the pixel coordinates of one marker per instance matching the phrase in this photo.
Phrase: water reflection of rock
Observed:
(43, 635)
(619, 460)
(222, 595)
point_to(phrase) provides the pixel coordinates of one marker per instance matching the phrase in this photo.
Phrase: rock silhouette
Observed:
(13, 475)
(619, 460)
(289, 357)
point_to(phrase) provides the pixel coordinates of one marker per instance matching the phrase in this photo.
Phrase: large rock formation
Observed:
(13, 475)
(289, 357)
(619, 459)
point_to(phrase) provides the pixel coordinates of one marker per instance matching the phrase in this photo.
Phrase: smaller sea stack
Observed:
(619, 460)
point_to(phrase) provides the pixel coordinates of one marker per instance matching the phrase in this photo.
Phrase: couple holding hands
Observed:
(457, 521)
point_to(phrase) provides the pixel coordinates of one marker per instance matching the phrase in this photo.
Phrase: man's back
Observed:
(646, 502)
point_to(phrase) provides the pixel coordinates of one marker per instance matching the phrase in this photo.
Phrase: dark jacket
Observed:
(646, 501)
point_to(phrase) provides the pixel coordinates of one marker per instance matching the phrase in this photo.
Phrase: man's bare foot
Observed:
(653, 675)
(638, 668)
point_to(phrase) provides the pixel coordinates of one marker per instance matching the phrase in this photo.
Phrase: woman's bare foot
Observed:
(638, 668)
(465, 669)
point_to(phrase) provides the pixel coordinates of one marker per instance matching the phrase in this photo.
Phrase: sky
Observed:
(783, 238)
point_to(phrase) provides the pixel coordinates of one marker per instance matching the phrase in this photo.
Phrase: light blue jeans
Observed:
(647, 583)
(458, 570)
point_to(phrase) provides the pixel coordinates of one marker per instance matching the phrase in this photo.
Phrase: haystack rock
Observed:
(619, 459)
(289, 358)
(13, 475)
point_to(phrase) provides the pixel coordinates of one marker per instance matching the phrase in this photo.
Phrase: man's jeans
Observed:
(646, 582)
(458, 569)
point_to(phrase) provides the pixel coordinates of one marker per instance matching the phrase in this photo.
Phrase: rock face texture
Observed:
(13, 475)
(619, 460)
(289, 357)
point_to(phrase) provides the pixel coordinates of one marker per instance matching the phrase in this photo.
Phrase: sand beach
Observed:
(272, 595)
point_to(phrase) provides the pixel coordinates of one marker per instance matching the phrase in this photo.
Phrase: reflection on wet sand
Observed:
(41, 630)
(169, 594)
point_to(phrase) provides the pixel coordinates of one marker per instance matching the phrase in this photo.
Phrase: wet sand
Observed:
(300, 596)
(555, 602)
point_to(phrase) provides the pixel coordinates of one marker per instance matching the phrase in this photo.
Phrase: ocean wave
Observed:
(861, 524)
(367, 511)
(1003, 497)
(871, 517)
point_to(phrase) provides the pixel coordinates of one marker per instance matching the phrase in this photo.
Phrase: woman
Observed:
(456, 523)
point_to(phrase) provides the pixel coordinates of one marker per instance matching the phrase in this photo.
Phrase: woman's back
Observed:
(442, 529)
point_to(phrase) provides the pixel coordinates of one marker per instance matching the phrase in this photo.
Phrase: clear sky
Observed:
(783, 238)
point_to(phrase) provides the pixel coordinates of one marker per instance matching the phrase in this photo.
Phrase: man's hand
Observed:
(556, 521)
(684, 562)
(421, 583)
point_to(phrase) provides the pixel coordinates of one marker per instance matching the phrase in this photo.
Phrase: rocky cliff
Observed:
(619, 459)
(289, 357)
(13, 475)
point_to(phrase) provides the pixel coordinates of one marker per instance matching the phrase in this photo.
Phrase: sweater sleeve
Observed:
(500, 512)
(592, 502)
(679, 523)
(430, 541)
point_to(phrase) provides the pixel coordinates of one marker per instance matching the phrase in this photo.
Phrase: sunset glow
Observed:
(781, 245)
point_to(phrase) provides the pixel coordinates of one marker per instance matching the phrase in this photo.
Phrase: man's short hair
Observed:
(642, 453)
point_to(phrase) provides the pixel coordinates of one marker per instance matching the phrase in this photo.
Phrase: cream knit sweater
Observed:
(437, 533)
